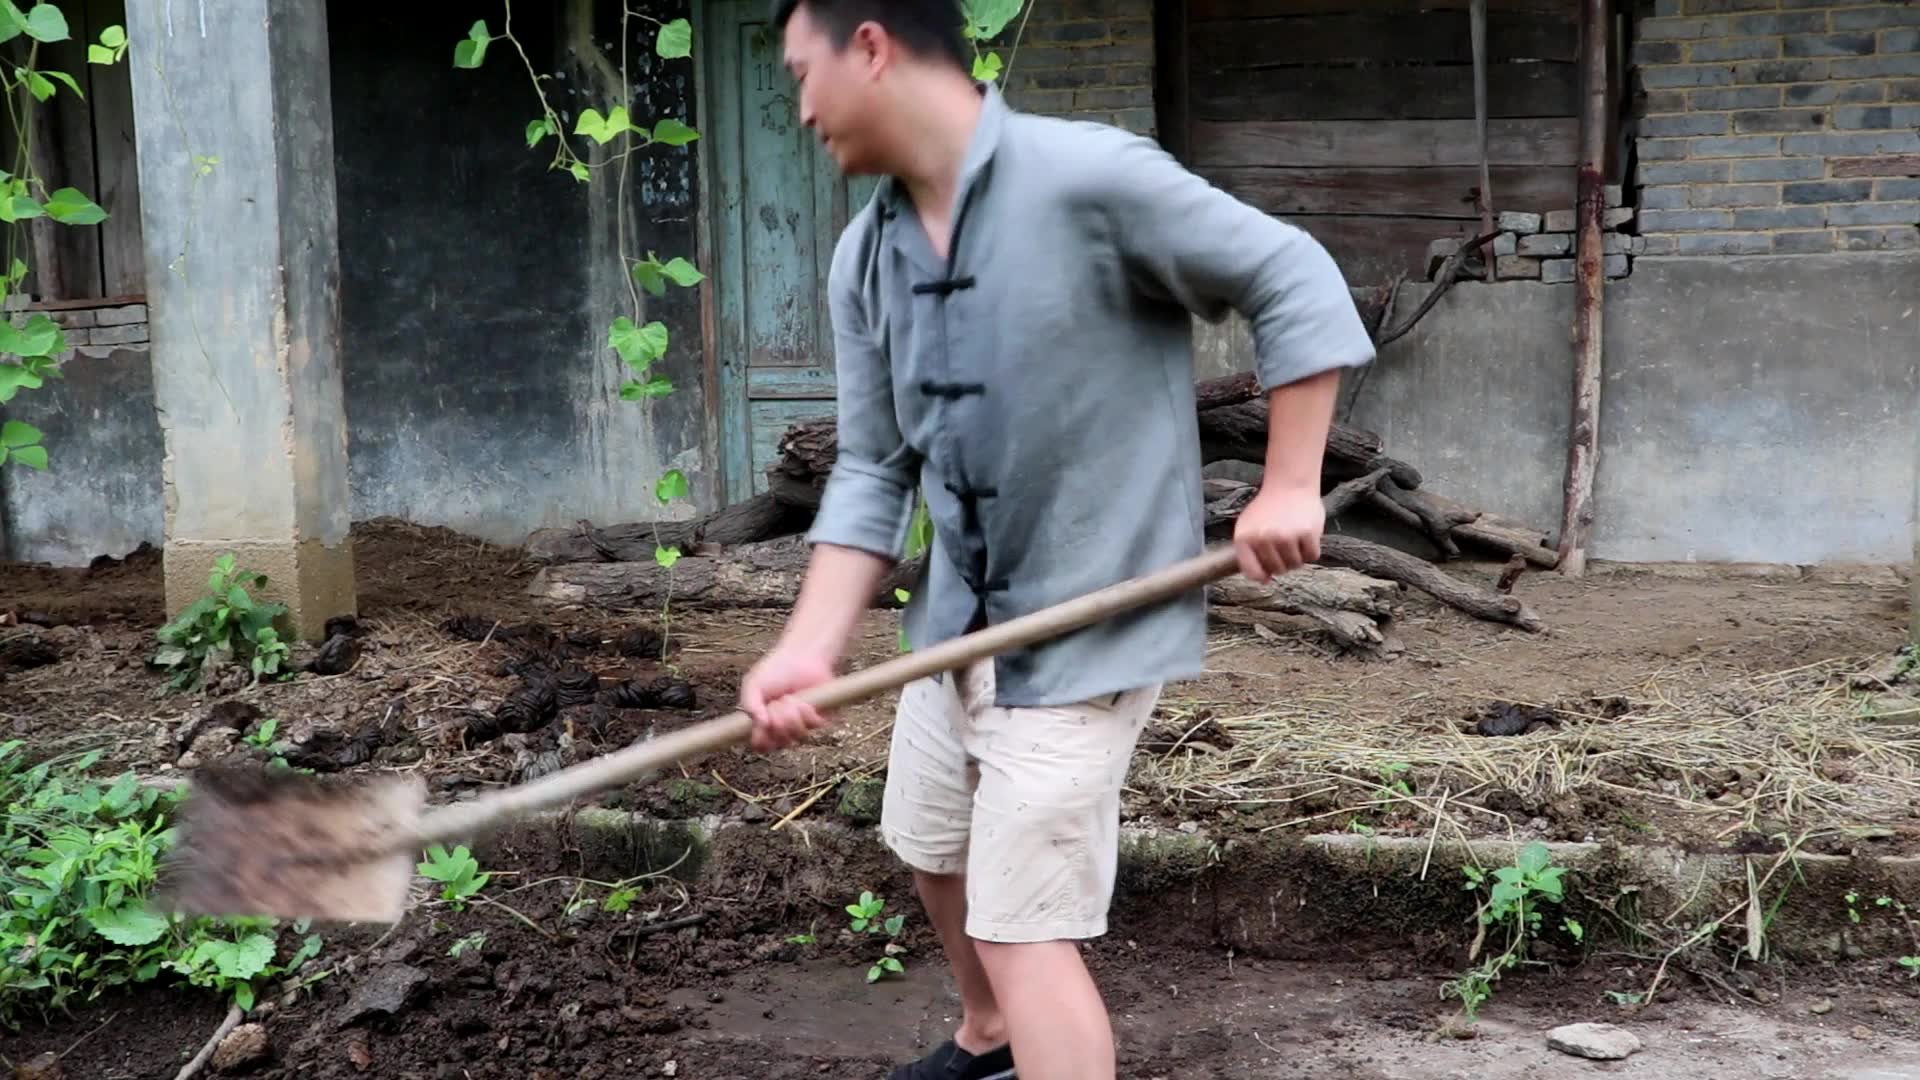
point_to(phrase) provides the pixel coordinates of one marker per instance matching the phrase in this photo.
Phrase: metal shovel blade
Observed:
(256, 842)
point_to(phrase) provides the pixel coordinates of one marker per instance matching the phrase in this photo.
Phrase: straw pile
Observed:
(1785, 751)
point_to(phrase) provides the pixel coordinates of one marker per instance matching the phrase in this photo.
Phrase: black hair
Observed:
(928, 28)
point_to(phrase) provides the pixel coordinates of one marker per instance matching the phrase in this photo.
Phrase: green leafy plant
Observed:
(30, 348)
(458, 873)
(20, 441)
(1511, 909)
(866, 919)
(78, 863)
(615, 136)
(985, 20)
(224, 625)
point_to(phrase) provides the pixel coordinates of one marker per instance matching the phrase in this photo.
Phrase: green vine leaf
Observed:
(671, 485)
(45, 24)
(653, 275)
(15, 378)
(986, 18)
(38, 85)
(665, 557)
(472, 52)
(658, 386)
(580, 171)
(69, 207)
(675, 41)
(683, 273)
(68, 80)
(537, 130)
(673, 133)
(19, 208)
(40, 337)
(604, 129)
(15, 434)
(639, 346)
(112, 46)
(987, 68)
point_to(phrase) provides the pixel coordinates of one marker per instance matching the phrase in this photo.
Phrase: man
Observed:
(1012, 317)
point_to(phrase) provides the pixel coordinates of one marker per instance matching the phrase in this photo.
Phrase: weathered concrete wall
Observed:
(478, 284)
(475, 291)
(1754, 409)
(95, 422)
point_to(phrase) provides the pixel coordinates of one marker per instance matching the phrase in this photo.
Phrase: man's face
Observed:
(839, 91)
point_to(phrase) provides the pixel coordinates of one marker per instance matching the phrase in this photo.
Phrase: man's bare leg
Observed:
(983, 1026)
(1055, 1014)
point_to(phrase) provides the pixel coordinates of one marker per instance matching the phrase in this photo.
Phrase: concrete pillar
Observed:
(234, 125)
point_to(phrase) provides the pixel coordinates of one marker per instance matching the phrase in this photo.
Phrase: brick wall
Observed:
(93, 328)
(1778, 126)
(1084, 59)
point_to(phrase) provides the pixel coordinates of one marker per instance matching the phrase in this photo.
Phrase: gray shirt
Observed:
(1037, 385)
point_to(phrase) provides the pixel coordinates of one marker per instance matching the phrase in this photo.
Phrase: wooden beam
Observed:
(1446, 192)
(1477, 16)
(1542, 143)
(1515, 90)
(1377, 38)
(1583, 441)
(1209, 10)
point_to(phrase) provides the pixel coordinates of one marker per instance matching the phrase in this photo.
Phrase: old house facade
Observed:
(1757, 329)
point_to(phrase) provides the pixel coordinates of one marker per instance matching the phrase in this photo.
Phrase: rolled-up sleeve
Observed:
(868, 501)
(1185, 240)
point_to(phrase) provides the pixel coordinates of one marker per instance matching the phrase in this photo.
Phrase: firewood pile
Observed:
(753, 553)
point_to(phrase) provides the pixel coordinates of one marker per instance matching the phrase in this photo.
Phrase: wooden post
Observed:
(1477, 13)
(1913, 572)
(1583, 439)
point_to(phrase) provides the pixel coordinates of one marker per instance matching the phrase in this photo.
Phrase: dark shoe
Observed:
(949, 1062)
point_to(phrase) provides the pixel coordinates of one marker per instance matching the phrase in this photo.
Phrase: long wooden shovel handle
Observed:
(623, 766)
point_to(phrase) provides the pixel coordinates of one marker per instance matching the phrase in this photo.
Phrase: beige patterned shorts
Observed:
(1024, 801)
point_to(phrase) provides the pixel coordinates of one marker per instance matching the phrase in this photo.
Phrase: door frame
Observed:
(728, 439)
(713, 434)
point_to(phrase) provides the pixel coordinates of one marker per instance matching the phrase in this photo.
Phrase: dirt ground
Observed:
(734, 998)
(1709, 710)
(1655, 708)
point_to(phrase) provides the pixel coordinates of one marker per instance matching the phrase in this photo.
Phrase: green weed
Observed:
(78, 863)
(866, 913)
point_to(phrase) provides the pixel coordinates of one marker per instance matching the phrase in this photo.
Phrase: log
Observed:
(758, 575)
(1228, 432)
(1381, 561)
(1239, 433)
(762, 517)
(1226, 498)
(1475, 528)
(1349, 605)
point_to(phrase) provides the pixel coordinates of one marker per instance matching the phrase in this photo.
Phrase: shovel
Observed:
(293, 847)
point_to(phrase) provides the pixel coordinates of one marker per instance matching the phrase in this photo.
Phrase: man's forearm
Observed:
(1299, 416)
(839, 586)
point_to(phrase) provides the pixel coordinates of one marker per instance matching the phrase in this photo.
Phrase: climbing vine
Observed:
(616, 135)
(31, 346)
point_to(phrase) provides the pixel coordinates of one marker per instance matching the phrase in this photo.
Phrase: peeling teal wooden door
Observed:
(779, 204)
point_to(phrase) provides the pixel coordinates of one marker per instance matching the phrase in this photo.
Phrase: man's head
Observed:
(856, 61)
